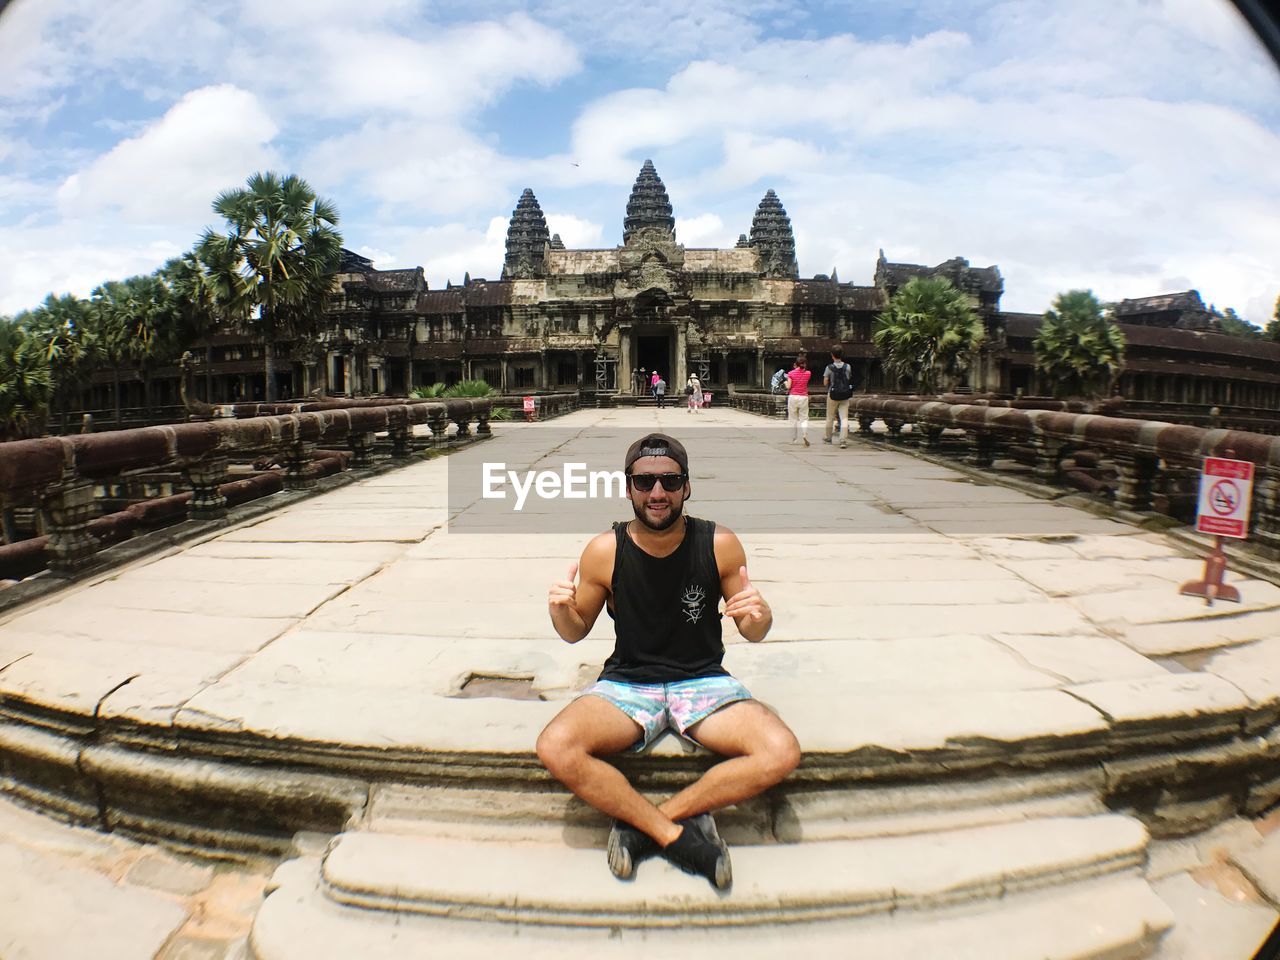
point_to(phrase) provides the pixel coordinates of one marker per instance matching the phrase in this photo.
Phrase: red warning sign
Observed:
(1226, 487)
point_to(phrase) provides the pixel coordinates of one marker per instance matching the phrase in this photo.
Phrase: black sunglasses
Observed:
(671, 482)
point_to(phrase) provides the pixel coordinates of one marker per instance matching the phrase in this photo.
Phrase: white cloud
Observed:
(443, 73)
(73, 259)
(576, 232)
(704, 230)
(209, 141)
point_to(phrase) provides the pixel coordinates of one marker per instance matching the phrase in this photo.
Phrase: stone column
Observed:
(362, 446)
(299, 474)
(982, 449)
(482, 422)
(463, 420)
(1266, 504)
(439, 424)
(865, 420)
(401, 442)
(69, 507)
(626, 369)
(1134, 487)
(930, 437)
(1048, 458)
(207, 501)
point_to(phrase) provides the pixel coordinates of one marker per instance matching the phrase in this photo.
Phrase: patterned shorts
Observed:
(657, 706)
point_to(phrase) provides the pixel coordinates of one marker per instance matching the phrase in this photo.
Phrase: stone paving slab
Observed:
(1170, 699)
(243, 599)
(188, 568)
(1228, 629)
(49, 908)
(1254, 668)
(1210, 927)
(279, 552)
(152, 627)
(1166, 604)
(1080, 658)
(1080, 577)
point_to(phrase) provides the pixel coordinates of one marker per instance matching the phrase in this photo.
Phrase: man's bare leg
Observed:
(762, 751)
(570, 748)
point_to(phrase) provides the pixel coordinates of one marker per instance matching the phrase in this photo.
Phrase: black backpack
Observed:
(841, 384)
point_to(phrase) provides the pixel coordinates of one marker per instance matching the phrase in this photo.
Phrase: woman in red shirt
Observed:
(798, 399)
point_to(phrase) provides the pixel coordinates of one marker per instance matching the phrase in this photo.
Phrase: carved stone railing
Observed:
(549, 405)
(61, 474)
(1149, 461)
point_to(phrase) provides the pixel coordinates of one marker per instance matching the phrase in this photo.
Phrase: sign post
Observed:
(530, 409)
(1226, 489)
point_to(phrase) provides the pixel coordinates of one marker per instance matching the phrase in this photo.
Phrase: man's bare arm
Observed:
(743, 601)
(574, 607)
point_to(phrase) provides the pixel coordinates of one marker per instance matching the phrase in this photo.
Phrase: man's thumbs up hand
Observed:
(564, 593)
(747, 601)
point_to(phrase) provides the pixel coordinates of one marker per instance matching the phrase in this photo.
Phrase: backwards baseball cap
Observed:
(657, 445)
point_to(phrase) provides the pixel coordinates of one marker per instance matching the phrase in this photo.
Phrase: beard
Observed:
(673, 514)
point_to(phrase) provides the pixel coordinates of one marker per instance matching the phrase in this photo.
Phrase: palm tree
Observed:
(195, 303)
(285, 236)
(26, 382)
(107, 320)
(1079, 350)
(928, 333)
(60, 323)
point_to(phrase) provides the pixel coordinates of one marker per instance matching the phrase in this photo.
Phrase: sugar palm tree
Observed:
(26, 382)
(285, 239)
(1079, 350)
(195, 302)
(928, 333)
(60, 323)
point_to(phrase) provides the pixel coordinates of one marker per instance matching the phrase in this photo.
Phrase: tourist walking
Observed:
(663, 575)
(838, 379)
(798, 399)
(693, 392)
(642, 381)
(660, 391)
(653, 384)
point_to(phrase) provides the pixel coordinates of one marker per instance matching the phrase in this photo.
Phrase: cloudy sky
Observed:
(1128, 146)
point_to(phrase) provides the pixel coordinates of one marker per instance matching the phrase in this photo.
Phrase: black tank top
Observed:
(666, 610)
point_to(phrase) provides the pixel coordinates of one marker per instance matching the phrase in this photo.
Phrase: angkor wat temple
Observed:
(561, 319)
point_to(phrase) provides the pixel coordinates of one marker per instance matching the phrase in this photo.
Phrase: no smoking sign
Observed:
(1226, 487)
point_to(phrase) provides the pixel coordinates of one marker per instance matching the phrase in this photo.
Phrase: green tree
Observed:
(929, 332)
(284, 237)
(1079, 349)
(26, 382)
(1272, 331)
(61, 324)
(1234, 325)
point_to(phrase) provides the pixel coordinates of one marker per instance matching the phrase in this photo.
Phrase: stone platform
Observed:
(960, 661)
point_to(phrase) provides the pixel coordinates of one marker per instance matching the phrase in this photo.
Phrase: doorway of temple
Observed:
(653, 352)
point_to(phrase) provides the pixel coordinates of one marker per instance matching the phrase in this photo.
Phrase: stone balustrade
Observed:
(1149, 456)
(62, 474)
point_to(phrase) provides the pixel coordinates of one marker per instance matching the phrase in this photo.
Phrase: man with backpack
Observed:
(838, 379)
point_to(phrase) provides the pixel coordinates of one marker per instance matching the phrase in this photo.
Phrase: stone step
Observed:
(844, 813)
(1028, 884)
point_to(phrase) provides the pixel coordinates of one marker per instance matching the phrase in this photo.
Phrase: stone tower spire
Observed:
(649, 206)
(771, 235)
(527, 239)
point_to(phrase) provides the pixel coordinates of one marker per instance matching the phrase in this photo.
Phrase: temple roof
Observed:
(396, 281)
(527, 239)
(351, 262)
(1185, 300)
(648, 205)
(957, 270)
(771, 235)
